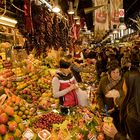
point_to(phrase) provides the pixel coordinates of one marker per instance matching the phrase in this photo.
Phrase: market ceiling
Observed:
(131, 7)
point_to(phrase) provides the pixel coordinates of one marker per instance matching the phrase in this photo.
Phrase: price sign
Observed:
(121, 12)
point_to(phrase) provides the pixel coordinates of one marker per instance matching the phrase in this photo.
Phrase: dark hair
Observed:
(91, 55)
(135, 60)
(78, 61)
(64, 64)
(69, 56)
(112, 66)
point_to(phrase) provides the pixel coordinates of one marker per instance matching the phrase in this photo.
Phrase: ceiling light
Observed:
(76, 17)
(78, 22)
(71, 10)
(50, 7)
(8, 21)
(56, 7)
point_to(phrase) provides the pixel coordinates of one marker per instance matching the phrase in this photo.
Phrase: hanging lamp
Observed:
(56, 8)
(8, 21)
(71, 10)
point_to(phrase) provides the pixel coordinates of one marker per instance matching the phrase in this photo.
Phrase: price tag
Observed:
(28, 134)
(121, 12)
(24, 122)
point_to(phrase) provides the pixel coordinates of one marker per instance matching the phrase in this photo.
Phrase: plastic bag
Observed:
(82, 97)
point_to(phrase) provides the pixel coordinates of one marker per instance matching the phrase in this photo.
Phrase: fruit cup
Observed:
(44, 134)
(108, 120)
(28, 134)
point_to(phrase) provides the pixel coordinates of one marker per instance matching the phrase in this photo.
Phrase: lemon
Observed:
(20, 113)
(26, 112)
(22, 108)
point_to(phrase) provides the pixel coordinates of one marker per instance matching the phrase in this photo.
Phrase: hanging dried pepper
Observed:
(28, 16)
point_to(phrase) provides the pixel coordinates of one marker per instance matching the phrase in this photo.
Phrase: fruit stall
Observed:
(28, 109)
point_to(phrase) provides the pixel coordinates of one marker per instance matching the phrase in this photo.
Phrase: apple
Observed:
(12, 125)
(3, 118)
(3, 129)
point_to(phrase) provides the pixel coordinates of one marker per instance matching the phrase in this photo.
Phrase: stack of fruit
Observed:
(47, 101)
(7, 64)
(11, 126)
(32, 88)
(22, 111)
(28, 95)
(45, 82)
(20, 106)
(47, 120)
(81, 124)
(13, 99)
(7, 73)
(6, 81)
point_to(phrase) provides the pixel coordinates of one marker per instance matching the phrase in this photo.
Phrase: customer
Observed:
(129, 113)
(76, 69)
(130, 108)
(110, 92)
(64, 85)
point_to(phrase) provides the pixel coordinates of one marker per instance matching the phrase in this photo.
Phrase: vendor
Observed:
(78, 54)
(64, 85)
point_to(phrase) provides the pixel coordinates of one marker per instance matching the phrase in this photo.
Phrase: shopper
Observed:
(101, 65)
(129, 112)
(126, 61)
(110, 92)
(78, 54)
(135, 63)
(76, 69)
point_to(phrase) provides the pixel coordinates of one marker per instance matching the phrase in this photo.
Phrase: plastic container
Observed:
(44, 134)
(28, 134)
(108, 120)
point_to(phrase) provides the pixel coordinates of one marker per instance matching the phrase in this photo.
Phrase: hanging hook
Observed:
(17, 8)
(59, 19)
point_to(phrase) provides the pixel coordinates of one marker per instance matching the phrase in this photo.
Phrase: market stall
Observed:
(30, 50)
(29, 107)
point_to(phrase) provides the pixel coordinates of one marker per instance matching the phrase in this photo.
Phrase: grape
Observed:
(46, 121)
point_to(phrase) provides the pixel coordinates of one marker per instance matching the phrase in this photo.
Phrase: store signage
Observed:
(101, 17)
(115, 16)
(121, 12)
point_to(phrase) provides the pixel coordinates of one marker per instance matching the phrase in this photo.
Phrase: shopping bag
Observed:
(82, 97)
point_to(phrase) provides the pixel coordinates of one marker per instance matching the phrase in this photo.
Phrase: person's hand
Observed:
(113, 94)
(111, 110)
(110, 130)
(74, 86)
